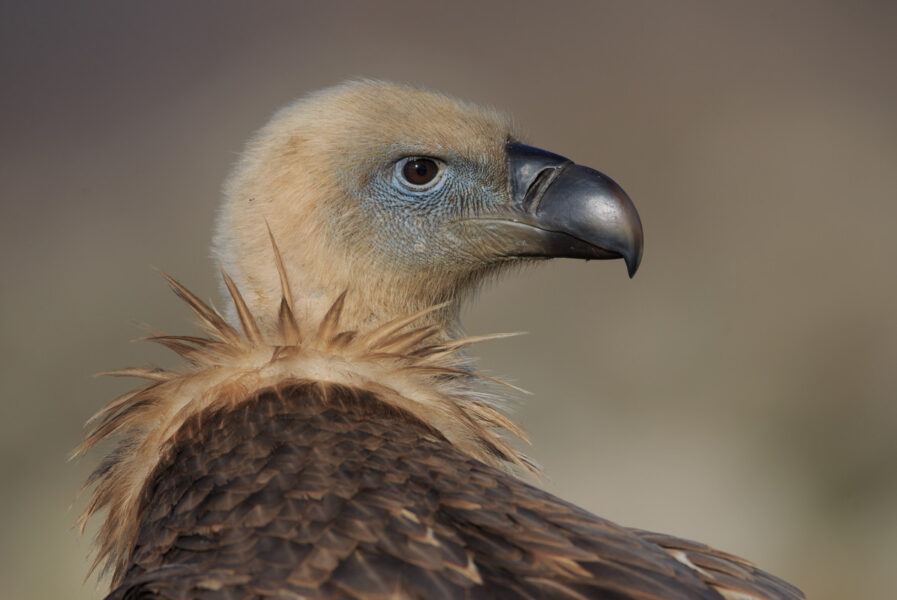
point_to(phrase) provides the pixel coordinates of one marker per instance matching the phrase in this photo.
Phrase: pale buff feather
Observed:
(285, 182)
(398, 360)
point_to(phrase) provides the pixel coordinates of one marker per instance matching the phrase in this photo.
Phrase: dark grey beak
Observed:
(561, 209)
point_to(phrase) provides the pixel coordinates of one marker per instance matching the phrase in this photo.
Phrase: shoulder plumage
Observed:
(326, 491)
(411, 367)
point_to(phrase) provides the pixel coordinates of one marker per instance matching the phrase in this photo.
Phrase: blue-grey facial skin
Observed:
(418, 229)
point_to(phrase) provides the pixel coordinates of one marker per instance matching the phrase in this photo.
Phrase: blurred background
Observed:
(741, 390)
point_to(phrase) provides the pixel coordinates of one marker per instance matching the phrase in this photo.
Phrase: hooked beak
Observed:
(558, 209)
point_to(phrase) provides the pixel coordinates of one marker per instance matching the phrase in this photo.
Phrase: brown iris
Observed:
(420, 171)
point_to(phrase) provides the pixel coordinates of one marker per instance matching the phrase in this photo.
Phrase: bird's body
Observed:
(340, 446)
(331, 493)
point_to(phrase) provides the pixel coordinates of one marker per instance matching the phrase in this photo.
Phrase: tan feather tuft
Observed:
(286, 321)
(393, 360)
(154, 374)
(405, 343)
(329, 326)
(285, 290)
(209, 320)
(438, 353)
(289, 327)
(377, 337)
(247, 321)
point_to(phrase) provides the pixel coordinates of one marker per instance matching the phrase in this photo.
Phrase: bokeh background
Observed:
(741, 390)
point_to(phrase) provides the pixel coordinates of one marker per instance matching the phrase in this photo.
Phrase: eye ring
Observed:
(419, 173)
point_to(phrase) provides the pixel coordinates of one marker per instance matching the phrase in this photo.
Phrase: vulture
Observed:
(327, 435)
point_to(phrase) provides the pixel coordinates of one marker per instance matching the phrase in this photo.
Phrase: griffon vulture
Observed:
(328, 438)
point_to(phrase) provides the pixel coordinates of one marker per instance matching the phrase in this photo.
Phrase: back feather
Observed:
(402, 363)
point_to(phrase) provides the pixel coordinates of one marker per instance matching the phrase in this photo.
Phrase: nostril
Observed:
(530, 170)
(537, 188)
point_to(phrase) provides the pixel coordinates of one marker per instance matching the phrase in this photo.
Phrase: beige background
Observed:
(740, 390)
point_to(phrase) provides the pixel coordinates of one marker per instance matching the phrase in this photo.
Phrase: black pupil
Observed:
(420, 171)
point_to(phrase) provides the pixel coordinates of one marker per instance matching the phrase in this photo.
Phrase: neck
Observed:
(400, 361)
(376, 293)
(367, 303)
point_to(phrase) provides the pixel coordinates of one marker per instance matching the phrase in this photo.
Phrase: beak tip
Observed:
(633, 258)
(632, 265)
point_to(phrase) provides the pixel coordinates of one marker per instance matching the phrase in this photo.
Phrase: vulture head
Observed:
(404, 199)
(352, 227)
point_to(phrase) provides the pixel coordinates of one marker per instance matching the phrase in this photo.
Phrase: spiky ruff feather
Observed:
(413, 367)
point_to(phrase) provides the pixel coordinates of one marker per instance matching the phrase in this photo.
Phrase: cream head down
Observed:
(322, 175)
(402, 198)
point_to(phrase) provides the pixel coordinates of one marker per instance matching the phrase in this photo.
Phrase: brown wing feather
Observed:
(732, 576)
(326, 492)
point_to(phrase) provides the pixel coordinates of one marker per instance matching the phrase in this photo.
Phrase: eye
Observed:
(418, 172)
